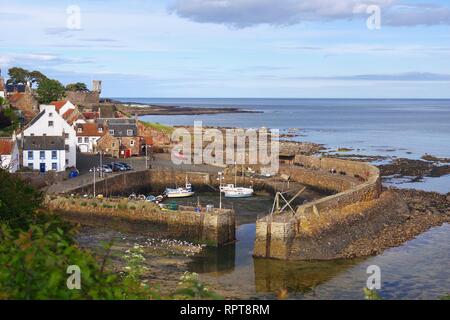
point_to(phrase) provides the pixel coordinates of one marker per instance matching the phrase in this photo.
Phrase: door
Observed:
(42, 167)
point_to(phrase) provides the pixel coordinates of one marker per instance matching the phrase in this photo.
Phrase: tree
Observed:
(37, 77)
(18, 75)
(2, 101)
(79, 86)
(50, 90)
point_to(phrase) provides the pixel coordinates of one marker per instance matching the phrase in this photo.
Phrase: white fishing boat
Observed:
(239, 192)
(180, 192)
(232, 191)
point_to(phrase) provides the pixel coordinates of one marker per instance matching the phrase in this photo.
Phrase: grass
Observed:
(158, 127)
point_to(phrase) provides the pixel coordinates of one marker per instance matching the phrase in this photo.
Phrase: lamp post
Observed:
(220, 191)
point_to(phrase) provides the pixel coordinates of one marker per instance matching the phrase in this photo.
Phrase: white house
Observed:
(2, 87)
(88, 135)
(50, 123)
(44, 153)
(9, 155)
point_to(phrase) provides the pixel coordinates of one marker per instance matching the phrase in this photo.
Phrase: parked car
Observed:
(105, 168)
(126, 165)
(118, 167)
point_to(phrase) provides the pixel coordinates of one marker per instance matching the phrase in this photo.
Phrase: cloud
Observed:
(246, 13)
(38, 60)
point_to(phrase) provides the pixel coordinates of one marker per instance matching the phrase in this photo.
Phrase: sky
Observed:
(235, 48)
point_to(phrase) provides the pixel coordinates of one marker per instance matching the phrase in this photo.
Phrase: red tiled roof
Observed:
(91, 115)
(148, 140)
(90, 130)
(6, 146)
(59, 104)
(15, 97)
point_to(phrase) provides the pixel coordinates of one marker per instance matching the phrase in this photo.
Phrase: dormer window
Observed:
(80, 129)
(100, 130)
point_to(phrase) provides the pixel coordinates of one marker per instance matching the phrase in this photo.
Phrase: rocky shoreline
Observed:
(427, 210)
(152, 110)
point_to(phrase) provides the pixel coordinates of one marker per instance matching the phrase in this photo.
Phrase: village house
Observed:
(45, 153)
(69, 112)
(9, 155)
(88, 135)
(50, 123)
(122, 138)
(2, 87)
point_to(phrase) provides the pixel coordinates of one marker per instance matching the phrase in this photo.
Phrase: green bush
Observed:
(83, 204)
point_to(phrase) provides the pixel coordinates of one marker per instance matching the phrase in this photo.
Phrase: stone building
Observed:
(88, 135)
(86, 98)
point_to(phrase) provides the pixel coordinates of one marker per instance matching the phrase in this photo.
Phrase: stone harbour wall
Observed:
(215, 228)
(320, 229)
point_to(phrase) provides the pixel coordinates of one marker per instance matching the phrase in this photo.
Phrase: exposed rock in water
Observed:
(414, 168)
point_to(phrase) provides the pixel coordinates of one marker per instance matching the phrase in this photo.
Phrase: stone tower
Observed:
(97, 86)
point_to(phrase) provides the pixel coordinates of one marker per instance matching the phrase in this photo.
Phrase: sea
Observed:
(393, 128)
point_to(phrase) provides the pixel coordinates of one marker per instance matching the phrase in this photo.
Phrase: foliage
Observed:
(447, 297)
(50, 90)
(79, 86)
(372, 294)
(34, 265)
(158, 127)
(135, 260)
(20, 75)
(190, 287)
(2, 101)
(18, 201)
(9, 121)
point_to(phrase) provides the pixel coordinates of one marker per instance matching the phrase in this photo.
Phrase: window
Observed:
(67, 162)
(113, 145)
(111, 132)
(86, 140)
(129, 132)
(100, 130)
(80, 129)
(132, 143)
(54, 166)
(30, 155)
(50, 114)
(50, 123)
(80, 139)
(66, 135)
(54, 155)
(42, 155)
(67, 148)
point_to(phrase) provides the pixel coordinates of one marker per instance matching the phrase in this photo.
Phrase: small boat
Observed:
(232, 191)
(239, 193)
(151, 198)
(180, 192)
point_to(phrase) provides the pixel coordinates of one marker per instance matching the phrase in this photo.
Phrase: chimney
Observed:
(97, 86)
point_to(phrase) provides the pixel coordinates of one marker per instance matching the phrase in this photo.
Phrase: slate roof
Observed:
(15, 87)
(120, 126)
(43, 143)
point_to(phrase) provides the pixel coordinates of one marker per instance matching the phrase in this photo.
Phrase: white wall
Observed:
(42, 127)
(88, 146)
(36, 161)
(2, 94)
